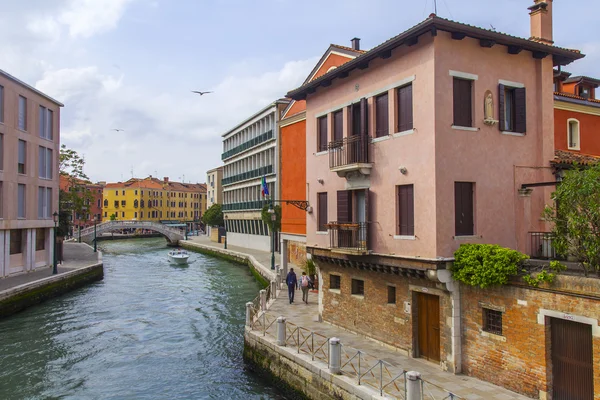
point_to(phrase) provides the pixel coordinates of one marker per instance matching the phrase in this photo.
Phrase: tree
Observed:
(576, 216)
(77, 198)
(266, 217)
(213, 216)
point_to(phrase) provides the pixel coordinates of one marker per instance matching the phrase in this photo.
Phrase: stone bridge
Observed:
(173, 235)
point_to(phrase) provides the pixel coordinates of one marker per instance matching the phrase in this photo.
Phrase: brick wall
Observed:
(520, 358)
(372, 316)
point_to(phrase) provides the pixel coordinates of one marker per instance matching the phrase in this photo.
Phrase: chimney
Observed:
(541, 21)
(166, 179)
(355, 43)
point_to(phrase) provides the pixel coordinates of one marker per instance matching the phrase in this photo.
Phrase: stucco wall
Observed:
(256, 242)
(293, 176)
(588, 130)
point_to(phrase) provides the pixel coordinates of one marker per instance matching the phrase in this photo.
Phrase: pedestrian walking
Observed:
(291, 282)
(305, 284)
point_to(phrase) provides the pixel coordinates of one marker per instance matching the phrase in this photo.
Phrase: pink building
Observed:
(29, 150)
(433, 137)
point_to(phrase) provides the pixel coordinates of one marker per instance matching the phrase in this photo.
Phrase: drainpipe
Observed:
(445, 276)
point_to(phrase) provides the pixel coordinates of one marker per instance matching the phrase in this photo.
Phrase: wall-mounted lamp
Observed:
(403, 170)
(309, 209)
(321, 181)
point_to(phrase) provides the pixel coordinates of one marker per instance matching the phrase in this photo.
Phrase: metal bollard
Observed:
(413, 385)
(263, 300)
(335, 356)
(249, 314)
(280, 331)
(278, 280)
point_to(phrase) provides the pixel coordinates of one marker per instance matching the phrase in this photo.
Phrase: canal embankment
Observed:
(81, 266)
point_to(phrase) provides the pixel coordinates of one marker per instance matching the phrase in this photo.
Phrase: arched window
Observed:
(105, 202)
(573, 137)
(135, 203)
(142, 203)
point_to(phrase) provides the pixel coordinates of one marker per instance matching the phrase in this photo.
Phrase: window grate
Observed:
(492, 321)
(391, 295)
(358, 287)
(335, 282)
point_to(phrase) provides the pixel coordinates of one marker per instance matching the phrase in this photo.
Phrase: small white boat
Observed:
(179, 256)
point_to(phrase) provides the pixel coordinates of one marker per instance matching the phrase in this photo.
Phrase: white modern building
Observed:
(250, 152)
(214, 188)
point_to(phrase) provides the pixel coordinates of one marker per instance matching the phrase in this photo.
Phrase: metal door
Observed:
(572, 360)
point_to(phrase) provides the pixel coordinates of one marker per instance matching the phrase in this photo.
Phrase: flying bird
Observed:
(200, 93)
(118, 130)
(493, 28)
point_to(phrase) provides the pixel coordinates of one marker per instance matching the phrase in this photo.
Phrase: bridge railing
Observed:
(130, 224)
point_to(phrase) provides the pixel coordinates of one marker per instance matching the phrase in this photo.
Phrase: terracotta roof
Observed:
(348, 48)
(565, 157)
(595, 102)
(561, 56)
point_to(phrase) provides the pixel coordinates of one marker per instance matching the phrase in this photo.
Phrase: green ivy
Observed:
(485, 265)
(544, 276)
(310, 267)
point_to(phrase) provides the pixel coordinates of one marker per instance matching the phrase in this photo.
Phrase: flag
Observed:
(264, 188)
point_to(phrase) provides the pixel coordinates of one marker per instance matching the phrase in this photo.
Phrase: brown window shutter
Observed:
(501, 105)
(520, 110)
(364, 117)
(381, 116)
(355, 125)
(405, 108)
(406, 210)
(344, 206)
(462, 102)
(463, 208)
(322, 127)
(338, 125)
(322, 211)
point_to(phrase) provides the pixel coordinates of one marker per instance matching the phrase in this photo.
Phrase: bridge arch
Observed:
(173, 235)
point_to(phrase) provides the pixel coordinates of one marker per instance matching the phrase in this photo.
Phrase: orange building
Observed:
(293, 158)
(576, 117)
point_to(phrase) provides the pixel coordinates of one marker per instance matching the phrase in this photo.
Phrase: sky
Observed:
(131, 64)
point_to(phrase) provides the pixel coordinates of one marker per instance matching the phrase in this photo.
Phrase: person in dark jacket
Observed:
(291, 282)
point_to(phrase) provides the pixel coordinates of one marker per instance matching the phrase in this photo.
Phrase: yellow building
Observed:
(152, 199)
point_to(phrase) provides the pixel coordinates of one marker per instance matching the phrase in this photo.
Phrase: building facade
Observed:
(152, 199)
(434, 139)
(29, 184)
(250, 153)
(292, 171)
(93, 204)
(214, 187)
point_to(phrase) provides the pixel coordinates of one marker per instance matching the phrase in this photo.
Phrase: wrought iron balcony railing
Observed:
(348, 235)
(541, 246)
(349, 150)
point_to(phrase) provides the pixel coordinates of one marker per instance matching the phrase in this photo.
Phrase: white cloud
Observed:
(86, 18)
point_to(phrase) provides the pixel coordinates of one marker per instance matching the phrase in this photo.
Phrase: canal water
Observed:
(150, 330)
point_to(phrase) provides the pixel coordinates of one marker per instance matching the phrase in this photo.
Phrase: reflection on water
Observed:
(150, 330)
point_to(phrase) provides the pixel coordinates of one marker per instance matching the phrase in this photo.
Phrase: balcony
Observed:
(247, 145)
(541, 246)
(350, 156)
(348, 237)
(255, 173)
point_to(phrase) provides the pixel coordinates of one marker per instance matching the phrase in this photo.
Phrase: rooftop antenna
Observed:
(132, 172)
(435, 7)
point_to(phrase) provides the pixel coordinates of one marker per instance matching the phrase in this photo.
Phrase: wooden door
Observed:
(572, 360)
(428, 327)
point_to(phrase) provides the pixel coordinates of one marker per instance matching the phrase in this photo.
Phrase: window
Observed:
(44, 202)
(45, 163)
(358, 287)
(406, 210)
(338, 125)
(105, 214)
(123, 203)
(16, 241)
(135, 214)
(116, 203)
(335, 282)
(21, 201)
(462, 102)
(22, 119)
(22, 157)
(123, 193)
(135, 203)
(382, 116)
(492, 321)
(512, 109)
(583, 91)
(463, 208)
(45, 123)
(135, 192)
(391, 294)
(40, 239)
(1, 152)
(1, 104)
(321, 211)
(98, 203)
(123, 214)
(105, 202)
(322, 133)
(573, 134)
(141, 214)
(405, 108)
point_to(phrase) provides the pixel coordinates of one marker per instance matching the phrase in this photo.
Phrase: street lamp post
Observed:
(273, 219)
(55, 261)
(95, 246)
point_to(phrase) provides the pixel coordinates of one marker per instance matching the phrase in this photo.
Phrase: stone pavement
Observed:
(77, 255)
(307, 317)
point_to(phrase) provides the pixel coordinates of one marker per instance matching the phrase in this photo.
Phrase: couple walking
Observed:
(292, 284)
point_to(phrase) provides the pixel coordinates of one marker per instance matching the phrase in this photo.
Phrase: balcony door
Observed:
(344, 216)
(357, 142)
